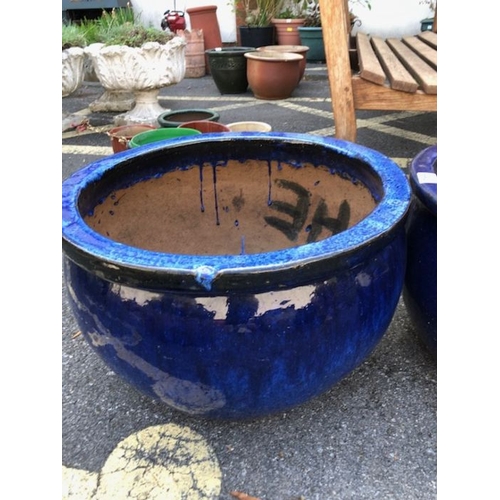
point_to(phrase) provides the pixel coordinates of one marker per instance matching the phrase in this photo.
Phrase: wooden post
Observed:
(334, 20)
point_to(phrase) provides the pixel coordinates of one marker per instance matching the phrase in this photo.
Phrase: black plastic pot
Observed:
(257, 36)
(228, 67)
(172, 119)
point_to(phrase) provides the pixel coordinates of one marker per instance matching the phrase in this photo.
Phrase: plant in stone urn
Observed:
(73, 43)
(73, 56)
(138, 59)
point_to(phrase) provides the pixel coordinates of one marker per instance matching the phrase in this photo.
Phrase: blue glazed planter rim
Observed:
(423, 177)
(214, 272)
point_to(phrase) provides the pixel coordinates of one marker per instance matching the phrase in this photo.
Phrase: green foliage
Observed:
(134, 35)
(260, 12)
(72, 36)
(118, 27)
(312, 14)
(293, 9)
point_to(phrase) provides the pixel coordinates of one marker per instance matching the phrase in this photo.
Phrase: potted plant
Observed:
(287, 23)
(311, 33)
(73, 57)
(258, 29)
(131, 57)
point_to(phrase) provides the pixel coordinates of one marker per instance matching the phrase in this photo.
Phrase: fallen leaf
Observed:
(243, 496)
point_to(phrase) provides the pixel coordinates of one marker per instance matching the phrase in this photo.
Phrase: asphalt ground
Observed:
(372, 436)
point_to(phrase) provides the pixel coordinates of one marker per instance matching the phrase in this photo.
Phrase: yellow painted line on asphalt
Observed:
(87, 150)
(163, 462)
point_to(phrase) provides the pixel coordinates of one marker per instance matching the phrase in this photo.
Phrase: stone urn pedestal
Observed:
(142, 71)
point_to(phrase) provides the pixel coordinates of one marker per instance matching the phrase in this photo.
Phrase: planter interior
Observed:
(249, 126)
(235, 275)
(205, 126)
(160, 134)
(180, 116)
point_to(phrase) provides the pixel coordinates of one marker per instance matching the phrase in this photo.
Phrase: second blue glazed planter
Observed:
(235, 275)
(420, 288)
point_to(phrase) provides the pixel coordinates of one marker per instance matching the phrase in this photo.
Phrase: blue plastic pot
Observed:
(420, 289)
(235, 275)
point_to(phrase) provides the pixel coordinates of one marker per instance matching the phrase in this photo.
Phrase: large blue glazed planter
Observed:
(235, 275)
(420, 287)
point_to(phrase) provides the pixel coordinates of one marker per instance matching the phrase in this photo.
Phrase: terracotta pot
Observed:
(120, 136)
(287, 31)
(294, 49)
(205, 126)
(235, 275)
(273, 75)
(205, 18)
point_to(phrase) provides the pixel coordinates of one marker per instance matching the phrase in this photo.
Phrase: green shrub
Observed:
(72, 36)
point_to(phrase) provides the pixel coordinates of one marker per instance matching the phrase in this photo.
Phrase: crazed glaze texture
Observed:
(238, 336)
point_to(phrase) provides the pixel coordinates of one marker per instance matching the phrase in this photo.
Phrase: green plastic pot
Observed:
(160, 134)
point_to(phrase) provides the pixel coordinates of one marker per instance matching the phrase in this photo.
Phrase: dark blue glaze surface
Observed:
(237, 336)
(420, 289)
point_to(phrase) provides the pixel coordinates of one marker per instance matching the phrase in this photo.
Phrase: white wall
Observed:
(392, 18)
(386, 18)
(151, 12)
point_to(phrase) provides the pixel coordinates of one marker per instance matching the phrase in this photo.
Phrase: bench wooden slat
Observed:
(397, 74)
(430, 38)
(368, 95)
(423, 73)
(369, 66)
(424, 51)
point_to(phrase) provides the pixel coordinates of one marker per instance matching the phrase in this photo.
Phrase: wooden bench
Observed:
(394, 74)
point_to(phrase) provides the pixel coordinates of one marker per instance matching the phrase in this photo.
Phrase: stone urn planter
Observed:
(272, 74)
(141, 70)
(235, 275)
(420, 288)
(72, 77)
(72, 69)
